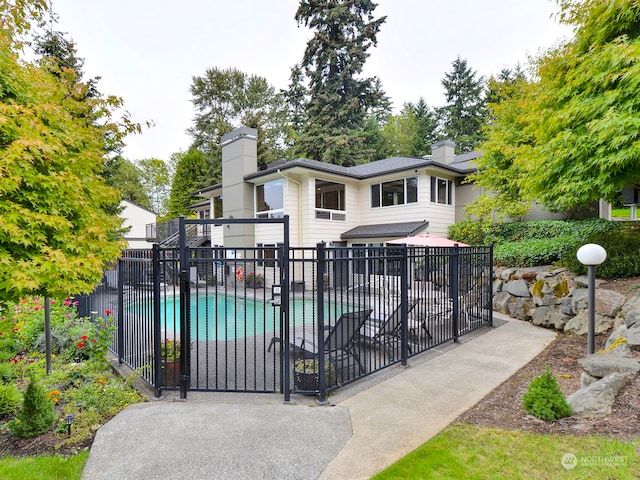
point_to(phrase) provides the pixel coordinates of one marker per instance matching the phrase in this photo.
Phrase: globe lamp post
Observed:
(591, 255)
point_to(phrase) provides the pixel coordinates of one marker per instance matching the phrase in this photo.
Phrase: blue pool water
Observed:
(220, 318)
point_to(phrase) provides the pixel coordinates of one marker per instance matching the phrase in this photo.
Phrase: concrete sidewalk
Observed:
(372, 424)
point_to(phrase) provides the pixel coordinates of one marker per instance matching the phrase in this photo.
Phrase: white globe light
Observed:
(591, 254)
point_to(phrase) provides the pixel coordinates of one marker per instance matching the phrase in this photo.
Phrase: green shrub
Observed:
(623, 253)
(7, 372)
(10, 399)
(531, 252)
(544, 398)
(36, 415)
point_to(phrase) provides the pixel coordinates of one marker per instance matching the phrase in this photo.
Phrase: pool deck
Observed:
(368, 426)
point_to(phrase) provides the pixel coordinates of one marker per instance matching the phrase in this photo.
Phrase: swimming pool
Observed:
(223, 318)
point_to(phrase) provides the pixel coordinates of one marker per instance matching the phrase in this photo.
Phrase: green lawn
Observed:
(466, 451)
(43, 468)
(621, 212)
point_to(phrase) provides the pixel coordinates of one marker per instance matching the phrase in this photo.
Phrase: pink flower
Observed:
(67, 303)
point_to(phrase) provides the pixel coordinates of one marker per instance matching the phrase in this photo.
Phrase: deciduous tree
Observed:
(56, 232)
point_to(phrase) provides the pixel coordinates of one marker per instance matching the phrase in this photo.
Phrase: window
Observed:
(217, 206)
(270, 199)
(441, 191)
(267, 254)
(330, 202)
(375, 259)
(394, 192)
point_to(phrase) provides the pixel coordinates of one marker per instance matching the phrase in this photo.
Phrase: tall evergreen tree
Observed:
(426, 128)
(191, 173)
(465, 111)
(339, 102)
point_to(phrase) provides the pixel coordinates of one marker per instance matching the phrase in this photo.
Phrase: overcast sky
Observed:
(147, 51)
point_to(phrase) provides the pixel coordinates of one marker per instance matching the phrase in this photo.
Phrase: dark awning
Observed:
(394, 230)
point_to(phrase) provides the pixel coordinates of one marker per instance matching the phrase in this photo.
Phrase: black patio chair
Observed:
(340, 340)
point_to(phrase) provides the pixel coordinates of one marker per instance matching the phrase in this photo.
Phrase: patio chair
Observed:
(340, 340)
(386, 331)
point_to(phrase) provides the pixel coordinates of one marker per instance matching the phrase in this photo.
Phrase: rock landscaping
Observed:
(554, 298)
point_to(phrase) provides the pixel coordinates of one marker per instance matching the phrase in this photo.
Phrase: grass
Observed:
(467, 451)
(53, 467)
(621, 212)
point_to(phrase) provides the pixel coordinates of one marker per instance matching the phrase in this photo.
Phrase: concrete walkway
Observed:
(371, 424)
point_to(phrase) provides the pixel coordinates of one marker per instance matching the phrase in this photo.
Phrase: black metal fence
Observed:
(244, 319)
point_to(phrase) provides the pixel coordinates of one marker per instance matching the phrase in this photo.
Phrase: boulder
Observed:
(608, 302)
(583, 281)
(546, 299)
(597, 399)
(586, 380)
(501, 301)
(497, 286)
(565, 306)
(631, 318)
(602, 364)
(549, 317)
(517, 288)
(579, 323)
(630, 305)
(633, 337)
(520, 308)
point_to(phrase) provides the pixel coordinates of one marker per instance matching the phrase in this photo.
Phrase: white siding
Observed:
(137, 218)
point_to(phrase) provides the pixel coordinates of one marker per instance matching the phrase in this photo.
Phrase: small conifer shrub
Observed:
(10, 399)
(36, 415)
(544, 399)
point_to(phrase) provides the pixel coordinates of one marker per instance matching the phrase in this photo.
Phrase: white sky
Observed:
(147, 51)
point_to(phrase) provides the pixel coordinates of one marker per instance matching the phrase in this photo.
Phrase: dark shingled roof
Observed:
(404, 229)
(363, 171)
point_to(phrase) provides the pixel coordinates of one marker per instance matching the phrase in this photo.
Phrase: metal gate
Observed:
(233, 314)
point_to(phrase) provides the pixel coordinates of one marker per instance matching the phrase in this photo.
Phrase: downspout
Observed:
(300, 243)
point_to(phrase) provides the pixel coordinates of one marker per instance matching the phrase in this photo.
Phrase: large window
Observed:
(270, 199)
(330, 202)
(441, 191)
(394, 192)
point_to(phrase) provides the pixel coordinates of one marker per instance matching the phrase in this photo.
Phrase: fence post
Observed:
(404, 296)
(185, 341)
(322, 265)
(120, 319)
(284, 313)
(454, 273)
(156, 337)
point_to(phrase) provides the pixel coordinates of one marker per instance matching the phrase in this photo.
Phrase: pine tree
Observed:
(465, 110)
(339, 102)
(36, 415)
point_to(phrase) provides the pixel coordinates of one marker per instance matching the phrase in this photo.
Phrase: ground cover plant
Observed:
(555, 242)
(34, 404)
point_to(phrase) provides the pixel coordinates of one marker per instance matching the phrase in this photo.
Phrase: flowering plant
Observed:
(255, 279)
(170, 350)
